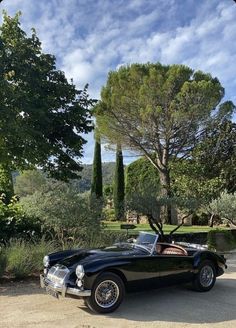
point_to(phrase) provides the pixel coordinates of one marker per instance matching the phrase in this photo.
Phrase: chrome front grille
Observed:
(57, 274)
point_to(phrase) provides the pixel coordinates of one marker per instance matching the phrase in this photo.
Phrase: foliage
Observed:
(60, 209)
(25, 258)
(212, 238)
(19, 259)
(96, 185)
(84, 183)
(159, 111)
(6, 183)
(101, 239)
(224, 206)
(150, 205)
(15, 223)
(119, 186)
(28, 182)
(108, 191)
(141, 177)
(42, 114)
(108, 214)
(216, 154)
(190, 180)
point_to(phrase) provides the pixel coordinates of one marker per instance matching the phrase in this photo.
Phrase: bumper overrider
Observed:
(63, 290)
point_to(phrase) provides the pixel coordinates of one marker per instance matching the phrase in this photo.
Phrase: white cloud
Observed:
(89, 38)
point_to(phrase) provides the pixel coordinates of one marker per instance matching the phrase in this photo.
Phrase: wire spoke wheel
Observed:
(107, 293)
(206, 276)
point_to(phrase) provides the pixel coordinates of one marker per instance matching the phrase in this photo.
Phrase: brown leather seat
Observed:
(174, 250)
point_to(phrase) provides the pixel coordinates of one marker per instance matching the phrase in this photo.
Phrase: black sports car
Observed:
(101, 276)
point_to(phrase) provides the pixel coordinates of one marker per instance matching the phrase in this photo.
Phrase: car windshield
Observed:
(146, 240)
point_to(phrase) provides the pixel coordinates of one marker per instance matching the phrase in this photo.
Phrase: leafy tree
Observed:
(189, 180)
(28, 182)
(141, 177)
(96, 186)
(159, 111)
(119, 185)
(42, 114)
(146, 202)
(63, 211)
(224, 206)
(216, 154)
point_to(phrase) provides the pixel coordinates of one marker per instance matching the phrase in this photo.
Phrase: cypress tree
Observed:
(96, 186)
(119, 185)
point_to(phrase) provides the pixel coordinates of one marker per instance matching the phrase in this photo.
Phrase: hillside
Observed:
(84, 183)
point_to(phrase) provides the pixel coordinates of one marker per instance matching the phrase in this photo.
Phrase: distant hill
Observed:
(84, 184)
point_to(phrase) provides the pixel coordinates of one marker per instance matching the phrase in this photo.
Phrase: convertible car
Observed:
(101, 276)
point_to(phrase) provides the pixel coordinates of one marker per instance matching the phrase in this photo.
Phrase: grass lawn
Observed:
(115, 226)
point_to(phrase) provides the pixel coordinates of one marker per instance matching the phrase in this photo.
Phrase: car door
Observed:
(142, 272)
(173, 268)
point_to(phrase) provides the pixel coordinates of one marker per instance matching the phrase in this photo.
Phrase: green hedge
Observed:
(226, 237)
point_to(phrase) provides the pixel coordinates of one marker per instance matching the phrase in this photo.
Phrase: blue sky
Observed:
(91, 37)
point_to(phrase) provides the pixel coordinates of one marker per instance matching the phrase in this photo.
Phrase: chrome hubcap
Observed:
(206, 276)
(106, 293)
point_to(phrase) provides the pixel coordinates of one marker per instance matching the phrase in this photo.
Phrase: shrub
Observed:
(229, 239)
(108, 214)
(68, 214)
(25, 258)
(15, 223)
(39, 250)
(19, 258)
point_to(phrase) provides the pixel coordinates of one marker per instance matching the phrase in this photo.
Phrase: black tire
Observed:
(107, 293)
(206, 277)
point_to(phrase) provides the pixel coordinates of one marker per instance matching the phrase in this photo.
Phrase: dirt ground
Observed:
(24, 304)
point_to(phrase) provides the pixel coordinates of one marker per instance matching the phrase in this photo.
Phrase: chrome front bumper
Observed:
(63, 290)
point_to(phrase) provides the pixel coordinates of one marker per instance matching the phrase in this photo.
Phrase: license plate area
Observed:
(52, 292)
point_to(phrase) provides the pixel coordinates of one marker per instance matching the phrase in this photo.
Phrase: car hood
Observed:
(84, 256)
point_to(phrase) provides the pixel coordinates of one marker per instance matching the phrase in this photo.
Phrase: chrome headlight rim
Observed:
(46, 261)
(79, 271)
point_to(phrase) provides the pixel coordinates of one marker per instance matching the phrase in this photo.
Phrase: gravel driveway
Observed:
(24, 304)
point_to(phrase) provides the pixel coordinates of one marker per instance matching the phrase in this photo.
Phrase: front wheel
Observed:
(206, 277)
(107, 293)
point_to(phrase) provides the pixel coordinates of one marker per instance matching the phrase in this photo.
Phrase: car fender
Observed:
(95, 268)
(201, 256)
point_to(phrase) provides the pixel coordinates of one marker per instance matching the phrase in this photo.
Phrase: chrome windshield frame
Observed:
(150, 251)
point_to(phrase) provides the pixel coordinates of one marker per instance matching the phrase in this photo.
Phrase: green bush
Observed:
(108, 214)
(25, 258)
(39, 250)
(19, 259)
(228, 236)
(14, 223)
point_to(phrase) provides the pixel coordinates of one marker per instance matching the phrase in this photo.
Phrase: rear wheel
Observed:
(206, 277)
(107, 293)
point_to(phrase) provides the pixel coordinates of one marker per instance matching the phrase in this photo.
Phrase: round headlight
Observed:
(79, 271)
(46, 261)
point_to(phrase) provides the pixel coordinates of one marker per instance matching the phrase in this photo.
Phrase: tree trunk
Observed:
(165, 193)
(211, 222)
